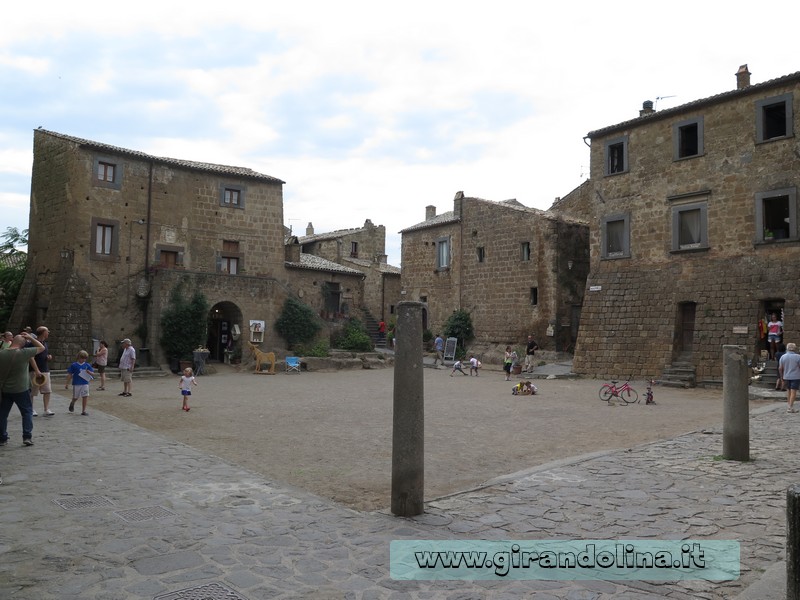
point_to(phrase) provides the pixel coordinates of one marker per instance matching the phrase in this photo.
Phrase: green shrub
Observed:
(319, 349)
(297, 323)
(354, 337)
(184, 324)
(459, 325)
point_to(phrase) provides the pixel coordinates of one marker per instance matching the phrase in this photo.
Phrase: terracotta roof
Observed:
(10, 260)
(383, 268)
(316, 263)
(752, 89)
(176, 162)
(328, 235)
(442, 219)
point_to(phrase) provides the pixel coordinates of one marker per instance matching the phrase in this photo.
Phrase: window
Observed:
(354, 249)
(687, 138)
(525, 251)
(232, 196)
(105, 239)
(776, 215)
(534, 296)
(690, 226)
(230, 258)
(106, 173)
(774, 118)
(169, 257)
(616, 151)
(481, 254)
(442, 253)
(615, 236)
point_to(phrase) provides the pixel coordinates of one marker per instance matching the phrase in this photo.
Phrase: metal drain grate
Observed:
(80, 502)
(146, 513)
(211, 591)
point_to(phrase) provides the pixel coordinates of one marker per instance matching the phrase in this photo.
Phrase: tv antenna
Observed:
(662, 98)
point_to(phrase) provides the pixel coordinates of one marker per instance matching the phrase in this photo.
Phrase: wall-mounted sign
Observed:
(595, 288)
(740, 329)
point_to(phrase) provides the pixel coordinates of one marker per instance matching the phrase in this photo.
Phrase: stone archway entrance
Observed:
(224, 330)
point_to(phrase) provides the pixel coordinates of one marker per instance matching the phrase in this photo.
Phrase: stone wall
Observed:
(630, 322)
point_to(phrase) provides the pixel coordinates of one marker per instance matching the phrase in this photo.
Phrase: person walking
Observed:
(438, 345)
(81, 373)
(127, 363)
(15, 386)
(789, 372)
(530, 350)
(185, 384)
(508, 358)
(40, 373)
(101, 360)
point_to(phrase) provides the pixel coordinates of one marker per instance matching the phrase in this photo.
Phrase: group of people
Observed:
(25, 374)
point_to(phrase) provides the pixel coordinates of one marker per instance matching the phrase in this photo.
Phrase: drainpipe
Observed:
(147, 224)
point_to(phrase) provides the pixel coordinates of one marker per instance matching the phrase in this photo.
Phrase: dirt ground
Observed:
(331, 432)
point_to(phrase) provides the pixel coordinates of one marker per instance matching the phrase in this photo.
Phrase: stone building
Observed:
(113, 231)
(362, 249)
(694, 231)
(518, 271)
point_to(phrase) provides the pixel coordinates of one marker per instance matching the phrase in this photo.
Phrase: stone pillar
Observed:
(408, 420)
(793, 542)
(736, 398)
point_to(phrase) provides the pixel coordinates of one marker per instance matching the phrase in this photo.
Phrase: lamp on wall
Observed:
(65, 253)
(569, 265)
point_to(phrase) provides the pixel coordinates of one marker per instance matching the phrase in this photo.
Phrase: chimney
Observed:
(647, 108)
(292, 250)
(742, 78)
(457, 202)
(309, 229)
(430, 212)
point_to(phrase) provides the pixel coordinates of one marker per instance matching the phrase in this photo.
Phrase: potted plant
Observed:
(769, 234)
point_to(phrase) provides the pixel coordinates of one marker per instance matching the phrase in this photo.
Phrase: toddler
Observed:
(186, 383)
(458, 366)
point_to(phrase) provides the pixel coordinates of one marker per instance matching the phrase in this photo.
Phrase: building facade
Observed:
(113, 231)
(694, 231)
(518, 271)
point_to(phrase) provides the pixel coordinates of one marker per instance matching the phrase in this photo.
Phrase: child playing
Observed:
(458, 366)
(474, 365)
(81, 373)
(187, 381)
(524, 388)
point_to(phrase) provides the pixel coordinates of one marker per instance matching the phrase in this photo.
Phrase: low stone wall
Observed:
(338, 361)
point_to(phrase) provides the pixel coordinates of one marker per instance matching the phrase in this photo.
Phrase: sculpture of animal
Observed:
(262, 357)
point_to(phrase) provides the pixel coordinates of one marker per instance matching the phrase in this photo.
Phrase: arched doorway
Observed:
(224, 329)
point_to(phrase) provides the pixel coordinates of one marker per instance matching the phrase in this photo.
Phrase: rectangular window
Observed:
(687, 138)
(776, 215)
(106, 173)
(690, 226)
(105, 239)
(615, 236)
(481, 254)
(774, 118)
(230, 258)
(525, 251)
(232, 196)
(442, 253)
(534, 296)
(168, 257)
(616, 153)
(354, 249)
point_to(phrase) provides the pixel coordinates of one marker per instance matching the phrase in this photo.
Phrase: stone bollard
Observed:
(793, 542)
(736, 398)
(408, 420)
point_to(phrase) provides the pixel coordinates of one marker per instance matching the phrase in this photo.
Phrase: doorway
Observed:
(224, 324)
(768, 308)
(684, 329)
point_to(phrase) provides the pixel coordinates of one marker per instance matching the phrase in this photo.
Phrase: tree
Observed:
(12, 270)
(297, 323)
(184, 324)
(459, 325)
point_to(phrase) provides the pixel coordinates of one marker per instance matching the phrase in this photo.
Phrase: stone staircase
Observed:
(681, 373)
(768, 377)
(371, 325)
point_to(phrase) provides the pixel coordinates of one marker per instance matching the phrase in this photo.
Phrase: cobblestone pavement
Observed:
(102, 509)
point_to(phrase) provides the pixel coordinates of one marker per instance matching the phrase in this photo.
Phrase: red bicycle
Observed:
(624, 392)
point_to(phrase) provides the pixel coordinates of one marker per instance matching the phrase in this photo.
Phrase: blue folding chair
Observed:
(292, 364)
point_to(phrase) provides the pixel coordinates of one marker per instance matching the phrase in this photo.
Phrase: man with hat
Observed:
(40, 372)
(126, 364)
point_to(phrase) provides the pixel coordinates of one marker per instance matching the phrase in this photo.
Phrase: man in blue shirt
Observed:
(438, 345)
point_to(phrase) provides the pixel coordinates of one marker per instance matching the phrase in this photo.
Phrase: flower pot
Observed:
(516, 369)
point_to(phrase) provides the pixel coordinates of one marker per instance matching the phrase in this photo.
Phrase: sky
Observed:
(369, 110)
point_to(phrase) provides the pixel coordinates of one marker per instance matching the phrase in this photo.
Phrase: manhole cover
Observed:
(144, 514)
(80, 502)
(211, 591)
